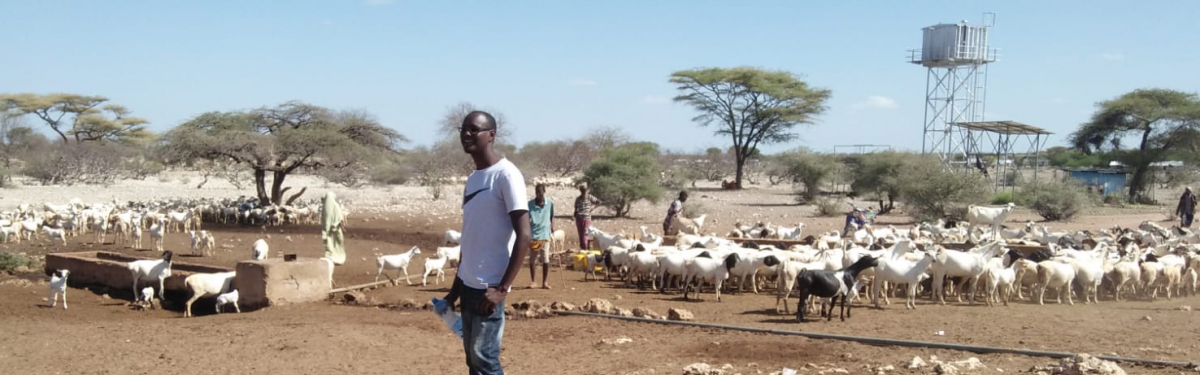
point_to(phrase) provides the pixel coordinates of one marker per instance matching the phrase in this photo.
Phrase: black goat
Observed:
(830, 284)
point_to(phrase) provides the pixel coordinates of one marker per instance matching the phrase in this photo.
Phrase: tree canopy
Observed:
(749, 105)
(281, 140)
(80, 118)
(625, 174)
(1161, 120)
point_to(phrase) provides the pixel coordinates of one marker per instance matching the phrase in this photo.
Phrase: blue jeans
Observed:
(481, 333)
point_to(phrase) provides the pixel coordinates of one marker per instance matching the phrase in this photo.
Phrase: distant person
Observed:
(541, 224)
(1186, 208)
(675, 208)
(495, 240)
(332, 224)
(583, 214)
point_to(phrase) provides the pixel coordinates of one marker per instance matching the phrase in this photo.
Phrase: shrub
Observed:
(624, 175)
(931, 192)
(807, 169)
(694, 208)
(10, 261)
(1055, 200)
(827, 207)
(69, 164)
(1004, 197)
(1113, 199)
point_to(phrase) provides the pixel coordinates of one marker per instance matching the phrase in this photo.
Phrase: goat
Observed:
(399, 262)
(901, 271)
(1000, 279)
(58, 284)
(681, 225)
(705, 269)
(157, 230)
(434, 266)
(1058, 275)
(149, 270)
(968, 264)
(147, 298)
(989, 215)
(591, 261)
(230, 298)
(207, 285)
(830, 284)
(451, 237)
(452, 254)
(136, 236)
(259, 250)
(53, 233)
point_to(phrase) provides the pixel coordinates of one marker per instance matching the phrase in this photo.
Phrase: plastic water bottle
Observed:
(451, 317)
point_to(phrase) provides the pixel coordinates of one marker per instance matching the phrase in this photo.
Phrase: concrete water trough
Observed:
(108, 269)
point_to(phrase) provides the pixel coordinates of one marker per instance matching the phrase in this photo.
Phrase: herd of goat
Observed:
(1116, 262)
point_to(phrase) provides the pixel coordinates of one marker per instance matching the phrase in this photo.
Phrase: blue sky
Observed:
(556, 69)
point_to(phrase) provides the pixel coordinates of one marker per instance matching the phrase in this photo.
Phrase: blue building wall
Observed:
(1112, 182)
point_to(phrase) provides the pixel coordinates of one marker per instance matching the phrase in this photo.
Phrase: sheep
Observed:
(208, 243)
(1058, 275)
(434, 266)
(1124, 273)
(830, 284)
(156, 235)
(644, 264)
(1152, 270)
(1171, 278)
(989, 215)
(452, 254)
(1089, 272)
(646, 235)
(789, 233)
(398, 262)
(451, 237)
(901, 271)
(703, 269)
(58, 284)
(230, 298)
(149, 270)
(259, 250)
(206, 285)
(1000, 279)
(53, 233)
(591, 262)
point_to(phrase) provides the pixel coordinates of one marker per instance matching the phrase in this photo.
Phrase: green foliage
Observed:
(827, 207)
(11, 261)
(624, 175)
(280, 140)
(694, 208)
(808, 169)
(1004, 197)
(1055, 200)
(1065, 157)
(1162, 120)
(749, 105)
(877, 174)
(556, 158)
(931, 191)
(81, 118)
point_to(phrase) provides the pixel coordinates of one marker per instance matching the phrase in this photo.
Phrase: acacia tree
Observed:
(1162, 120)
(281, 140)
(749, 105)
(80, 118)
(449, 123)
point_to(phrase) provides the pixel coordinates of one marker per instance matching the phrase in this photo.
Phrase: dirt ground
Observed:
(100, 335)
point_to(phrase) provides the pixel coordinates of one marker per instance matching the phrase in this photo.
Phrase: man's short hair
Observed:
(540, 185)
(488, 116)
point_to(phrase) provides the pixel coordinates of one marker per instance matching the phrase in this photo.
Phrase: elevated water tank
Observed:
(954, 44)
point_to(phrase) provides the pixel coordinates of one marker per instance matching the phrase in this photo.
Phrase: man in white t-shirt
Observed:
(495, 240)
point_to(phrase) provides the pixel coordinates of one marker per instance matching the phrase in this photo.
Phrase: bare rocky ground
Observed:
(101, 335)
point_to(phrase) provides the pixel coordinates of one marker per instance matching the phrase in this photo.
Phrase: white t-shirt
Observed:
(487, 232)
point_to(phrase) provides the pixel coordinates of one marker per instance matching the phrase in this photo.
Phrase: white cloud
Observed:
(380, 2)
(581, 82)
(655, 99)
(1112, 56)
(876, 102)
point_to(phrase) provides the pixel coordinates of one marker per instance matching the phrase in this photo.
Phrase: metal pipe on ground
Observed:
(888, 342)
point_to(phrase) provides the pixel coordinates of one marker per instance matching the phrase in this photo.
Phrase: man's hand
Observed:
(491, 300)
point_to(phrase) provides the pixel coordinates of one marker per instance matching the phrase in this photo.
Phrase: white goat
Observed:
(259, 250)
(230, 298)
(150, 270)
(681, 225)
(53, 233)
(207, 285)
(968, 264)
(715, 271)
(451, 237)
(147, 300)
(989, 215)
(452, 254)
(136, 235)
(434, 266)
(156, 235)
(58, 284)
(399, 262)
(901, 271)
(1058, 275)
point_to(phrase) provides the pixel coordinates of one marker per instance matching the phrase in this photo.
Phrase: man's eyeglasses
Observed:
(471, 132)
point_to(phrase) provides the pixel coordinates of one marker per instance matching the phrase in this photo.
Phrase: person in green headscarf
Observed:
(332, 222)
